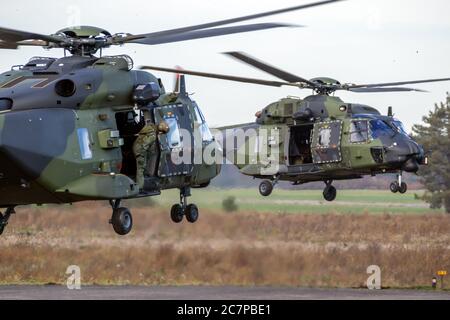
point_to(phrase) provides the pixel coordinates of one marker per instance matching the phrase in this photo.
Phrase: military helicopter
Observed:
(320, 137)
(68, 124)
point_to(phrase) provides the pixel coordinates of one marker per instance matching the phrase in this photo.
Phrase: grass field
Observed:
(305, 201)
(251, 246)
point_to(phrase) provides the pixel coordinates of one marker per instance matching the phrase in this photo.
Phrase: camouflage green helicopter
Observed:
(320, 137)
(67, 125)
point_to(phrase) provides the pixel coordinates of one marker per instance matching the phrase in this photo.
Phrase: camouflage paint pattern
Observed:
(62, 149)
(341, 158)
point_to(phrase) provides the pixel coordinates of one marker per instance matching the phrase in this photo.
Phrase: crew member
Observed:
(145, 147)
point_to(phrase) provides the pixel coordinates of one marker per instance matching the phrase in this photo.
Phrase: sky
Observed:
(354, 41)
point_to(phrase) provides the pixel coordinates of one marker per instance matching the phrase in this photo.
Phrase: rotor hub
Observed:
(84, 32)
(325, 85)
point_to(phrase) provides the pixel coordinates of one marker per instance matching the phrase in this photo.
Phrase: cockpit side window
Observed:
(198, 115)
(204, 129)
(359, 131)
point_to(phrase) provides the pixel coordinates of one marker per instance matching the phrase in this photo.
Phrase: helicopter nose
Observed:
(408, 153)
(415, 156)
(421, 158)
(413, 148)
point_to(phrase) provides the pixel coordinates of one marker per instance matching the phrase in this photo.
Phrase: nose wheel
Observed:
(395, 187)
(121, 219)
(329, 192)
(182, 209)
(399, 185)
(176, 213)
(191, 213)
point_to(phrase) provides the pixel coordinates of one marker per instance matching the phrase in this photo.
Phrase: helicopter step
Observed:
(329, 192)
(4, 218)
(183, 209)
(266, 186)
(398, 185)
(151, 184)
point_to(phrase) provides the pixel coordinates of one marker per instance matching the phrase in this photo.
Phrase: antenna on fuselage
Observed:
(176, 87)
(390, 113)
(182, 80)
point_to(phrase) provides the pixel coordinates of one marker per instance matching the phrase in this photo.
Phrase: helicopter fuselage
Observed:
(67, 127)
(322, 138)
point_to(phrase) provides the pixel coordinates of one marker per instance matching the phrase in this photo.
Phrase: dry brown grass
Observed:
(245, 248)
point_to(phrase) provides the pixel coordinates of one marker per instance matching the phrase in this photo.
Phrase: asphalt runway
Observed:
(57, 292)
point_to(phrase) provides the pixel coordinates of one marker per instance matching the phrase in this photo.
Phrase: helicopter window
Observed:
(173, 136)
(324, 137)
(198, 115)
(204, 129)
(206, 133)
(380, 128)
(359, 131)
(83, 140)
(399, 126)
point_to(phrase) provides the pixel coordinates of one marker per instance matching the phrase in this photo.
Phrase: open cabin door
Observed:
(300, 144)
(176, 157)
(326, 142)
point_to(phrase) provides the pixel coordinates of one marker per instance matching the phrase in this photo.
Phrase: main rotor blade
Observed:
(8, 45)
(12, 36)
(221, 76)
(14, 45)
(286, 76)
(227, 21)
(207, 33)
(382, 89)
(388, 84)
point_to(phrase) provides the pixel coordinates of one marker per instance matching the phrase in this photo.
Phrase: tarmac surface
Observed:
(58, 292)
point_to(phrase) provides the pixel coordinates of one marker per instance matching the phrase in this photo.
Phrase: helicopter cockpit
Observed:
(399, 126)
(375, 127)
(398, 145)
(379, 127)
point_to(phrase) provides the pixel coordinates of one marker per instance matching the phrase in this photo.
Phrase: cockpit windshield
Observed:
(380, 128)
(399, 126)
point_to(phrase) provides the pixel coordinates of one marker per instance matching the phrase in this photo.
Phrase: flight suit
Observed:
(144, 148)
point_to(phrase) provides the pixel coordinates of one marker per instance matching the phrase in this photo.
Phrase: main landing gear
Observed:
(329, 192)
(121, 219)
(399, 185)
(266, 186)
(4, 218)
(179, 210)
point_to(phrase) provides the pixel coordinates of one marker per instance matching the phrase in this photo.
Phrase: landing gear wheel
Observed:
(122, 221)
(176, 213)
(191, 213)
(403, 188)
(329, 193)
(394, 187)
(265, 188)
